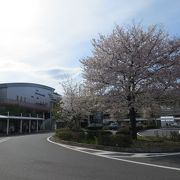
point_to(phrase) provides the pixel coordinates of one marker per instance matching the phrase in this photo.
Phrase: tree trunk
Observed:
(132, 114)
(77, 123)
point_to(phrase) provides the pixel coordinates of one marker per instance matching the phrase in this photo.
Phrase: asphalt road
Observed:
(31, 157)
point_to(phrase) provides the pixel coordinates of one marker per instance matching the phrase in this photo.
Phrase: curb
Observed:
(115, 149)
(114, 158)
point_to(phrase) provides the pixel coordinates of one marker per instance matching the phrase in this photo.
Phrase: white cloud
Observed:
(37, 36)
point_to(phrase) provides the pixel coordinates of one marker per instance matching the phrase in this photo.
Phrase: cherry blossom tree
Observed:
(130, 63)
(78, 103)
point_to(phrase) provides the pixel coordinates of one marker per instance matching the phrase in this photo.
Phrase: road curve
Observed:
(31, 157)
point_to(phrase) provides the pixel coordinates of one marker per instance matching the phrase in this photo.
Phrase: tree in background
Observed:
(58, 114)
(78, 103)
(71, 103)
(130, 64)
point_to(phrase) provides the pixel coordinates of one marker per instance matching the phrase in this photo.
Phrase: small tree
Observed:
(78, 103)
(58, 112)
(131, 63)
(71, 104)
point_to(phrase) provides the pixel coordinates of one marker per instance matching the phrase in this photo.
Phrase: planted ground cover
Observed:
(122, 139)
(98, 137)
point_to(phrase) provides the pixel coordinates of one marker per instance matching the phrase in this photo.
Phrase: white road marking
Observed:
(4, 139)
(139, 134)
(118, 159)
(122, 154)
(105, 152)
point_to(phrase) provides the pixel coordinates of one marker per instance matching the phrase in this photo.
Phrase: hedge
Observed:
(69, 135)
(115, 140)
(95, 137)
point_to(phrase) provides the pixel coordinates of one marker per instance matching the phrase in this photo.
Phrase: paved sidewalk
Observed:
(159, 132)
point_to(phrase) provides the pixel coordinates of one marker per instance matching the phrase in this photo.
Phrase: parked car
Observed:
(114, 126)
(175, 125)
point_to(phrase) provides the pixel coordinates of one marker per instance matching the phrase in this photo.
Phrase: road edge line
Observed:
(4, 139)
(123, 160)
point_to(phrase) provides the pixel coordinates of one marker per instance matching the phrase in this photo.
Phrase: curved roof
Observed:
(23, 84)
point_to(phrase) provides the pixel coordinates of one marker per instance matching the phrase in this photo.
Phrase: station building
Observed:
(26, 107)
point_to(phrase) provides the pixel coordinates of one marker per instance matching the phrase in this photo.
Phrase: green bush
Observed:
(104, 140)
(122, 140)
(95, 137)
(67, 134)
(124, 131)
(78, 136)
(174, 136)
(115, 140)
(95, 128)
(58, 131)
(151, 139)
(139, 128)
(64, 135)
(105, 128)
(104, 133)
(92, 134)
(152, 126)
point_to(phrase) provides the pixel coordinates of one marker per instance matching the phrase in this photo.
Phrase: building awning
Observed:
(20, 117)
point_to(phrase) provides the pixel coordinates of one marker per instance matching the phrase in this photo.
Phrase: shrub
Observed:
(174, 136)
(104, 140)
(125, 131)
(139, 128)
(152, 126)
(92, 134)
(78, 135)
(58, 131)
(65, 135)
(151, 139)
(99, 137)
(94, 127)
(104, 133)
(115, 140)
(105, 128)
(122, 140)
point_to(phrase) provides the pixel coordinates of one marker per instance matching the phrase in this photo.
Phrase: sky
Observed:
(42, 41)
